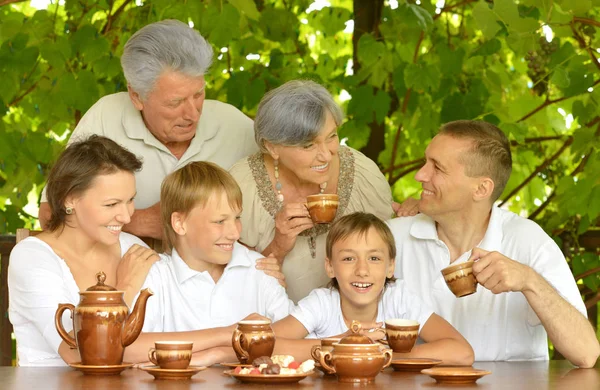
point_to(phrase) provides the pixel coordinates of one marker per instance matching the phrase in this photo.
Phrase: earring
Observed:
(69, 210)
(322, 186)
(278, 185)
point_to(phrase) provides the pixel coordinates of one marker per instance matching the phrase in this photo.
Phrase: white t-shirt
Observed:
(499, 327)
(38, 280)
(224, 135)
(321, 311)
(185, 299)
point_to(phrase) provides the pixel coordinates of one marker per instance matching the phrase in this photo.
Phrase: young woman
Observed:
(360, 262)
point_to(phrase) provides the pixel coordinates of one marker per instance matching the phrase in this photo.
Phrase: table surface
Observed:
(505, 375)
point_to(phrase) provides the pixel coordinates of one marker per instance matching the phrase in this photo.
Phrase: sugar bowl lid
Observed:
(100, 286)
(355, 337)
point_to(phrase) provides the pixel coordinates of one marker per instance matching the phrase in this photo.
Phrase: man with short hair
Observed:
(164, 118)
(527, 292)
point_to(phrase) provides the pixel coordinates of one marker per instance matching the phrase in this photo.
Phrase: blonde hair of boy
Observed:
(359, 223)
(193, 185)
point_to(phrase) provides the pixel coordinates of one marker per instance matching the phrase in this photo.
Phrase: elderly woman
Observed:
(296, 130)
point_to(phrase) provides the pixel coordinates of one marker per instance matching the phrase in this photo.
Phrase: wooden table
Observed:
(513, 376)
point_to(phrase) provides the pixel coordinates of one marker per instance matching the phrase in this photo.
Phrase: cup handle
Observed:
(324, 357)
(388, 355)
(70, 340)
(314, 352)
(235, 343)
(152, 356)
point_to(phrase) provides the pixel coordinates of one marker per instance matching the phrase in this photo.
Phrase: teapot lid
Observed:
(356, 337)
(100, 286)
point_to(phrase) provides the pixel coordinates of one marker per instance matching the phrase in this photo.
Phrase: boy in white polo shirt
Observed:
(208, 280)
(527, 291)
(360, 262)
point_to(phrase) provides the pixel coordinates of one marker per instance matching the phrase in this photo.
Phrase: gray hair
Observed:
(165, 45)
(294, 114)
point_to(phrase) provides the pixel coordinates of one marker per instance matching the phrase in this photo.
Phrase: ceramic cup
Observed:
(252, 339)
(326, 345)
(170, 355)
(401, 334)
(322, 207)
(460, 279)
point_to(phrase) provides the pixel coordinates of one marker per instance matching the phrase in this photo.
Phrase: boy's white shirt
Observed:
(185, 299)
(321, 312)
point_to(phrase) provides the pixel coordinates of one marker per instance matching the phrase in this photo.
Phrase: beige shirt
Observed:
(361, 187)
(224, 135)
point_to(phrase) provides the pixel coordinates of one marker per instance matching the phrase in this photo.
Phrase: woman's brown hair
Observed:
(78, 166)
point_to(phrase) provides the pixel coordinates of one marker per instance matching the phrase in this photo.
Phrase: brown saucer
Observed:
(455, 375)
(414, 364)
(101, 370)
(267, 379)
(234, 365)
(173, 374)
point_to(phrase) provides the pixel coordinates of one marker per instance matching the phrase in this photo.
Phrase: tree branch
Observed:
(586, 21)
(404, 173)
(7, 2)
(112, 17)
(402, 165)
(587, 273)
(543, 166)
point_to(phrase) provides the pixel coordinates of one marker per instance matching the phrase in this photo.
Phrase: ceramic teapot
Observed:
(102, 324)
(355, 358)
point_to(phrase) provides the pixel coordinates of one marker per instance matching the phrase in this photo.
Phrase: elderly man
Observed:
(526, 291)
(164, 118)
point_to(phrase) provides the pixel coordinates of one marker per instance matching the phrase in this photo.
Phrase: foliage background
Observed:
(399, 68)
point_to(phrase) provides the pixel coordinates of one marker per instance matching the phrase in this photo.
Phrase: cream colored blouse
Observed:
(361, 187)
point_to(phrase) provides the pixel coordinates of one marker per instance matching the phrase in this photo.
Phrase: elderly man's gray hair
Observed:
(294, 114)
(165, 45)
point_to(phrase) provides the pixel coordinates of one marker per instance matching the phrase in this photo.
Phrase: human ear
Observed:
(178, 223)
(272, 150)
(391, 268)
(135, 97)
(484, 189)
(329, 268)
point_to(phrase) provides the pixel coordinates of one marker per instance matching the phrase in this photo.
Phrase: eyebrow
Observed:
(180, 98)
(376, 250)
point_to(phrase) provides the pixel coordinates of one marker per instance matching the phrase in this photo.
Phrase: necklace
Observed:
(279, 186)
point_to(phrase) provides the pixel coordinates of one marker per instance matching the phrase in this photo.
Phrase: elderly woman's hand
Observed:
(272, 267)
(291, 220)
(133, 269)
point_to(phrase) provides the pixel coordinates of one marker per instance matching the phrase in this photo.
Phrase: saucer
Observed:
(101, 370)
(173, 374)
(455, 375)
(267, 378)
(234, 365)
(415, 364)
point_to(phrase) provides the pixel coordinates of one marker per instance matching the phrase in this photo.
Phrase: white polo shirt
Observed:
(321, 311)
(185, 299)
(224, 135)
(499, 327)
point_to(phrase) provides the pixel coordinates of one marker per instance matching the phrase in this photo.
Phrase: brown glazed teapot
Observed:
(355, 358)
(102, 324)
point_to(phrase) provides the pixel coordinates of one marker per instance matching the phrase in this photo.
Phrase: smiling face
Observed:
(360, 263)
(102, 210)
(447, 190)
(172, 110)
(207, 233)
(310, 163)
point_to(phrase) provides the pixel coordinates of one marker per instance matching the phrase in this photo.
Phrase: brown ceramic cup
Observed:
(322, 207)
(252, 339)
(460, 279)
(170, 355)
(401, 334)
(326, 346)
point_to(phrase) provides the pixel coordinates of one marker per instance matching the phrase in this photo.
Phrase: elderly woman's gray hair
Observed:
(294, 114)
(165, 45)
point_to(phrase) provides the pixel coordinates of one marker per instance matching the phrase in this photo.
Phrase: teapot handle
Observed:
(235, 343)
(70, 340)
(324, 357)
(388, 355)
(314, 352)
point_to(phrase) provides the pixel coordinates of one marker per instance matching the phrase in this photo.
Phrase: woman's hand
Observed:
(133, 269)
(291, 220)
(407, 208)
(272, 267)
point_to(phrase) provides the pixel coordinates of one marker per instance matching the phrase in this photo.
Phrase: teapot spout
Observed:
(135, 320)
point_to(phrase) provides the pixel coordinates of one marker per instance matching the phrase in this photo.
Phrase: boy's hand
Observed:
(272, 267)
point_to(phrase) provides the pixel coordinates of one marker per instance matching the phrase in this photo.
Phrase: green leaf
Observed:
(276, 59)
(381, 105)
(577, 7)
(357, 133)
(10, 25)
(227, 27)
(278, 24)
(560, 78)
(423, 18)
(246, 7)
(518, 131)
(508, 12)
(486, 19)
(584, 113)
(451, 60)
(488, 48)
(360, 106)
(422, 77)
(369, 50)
